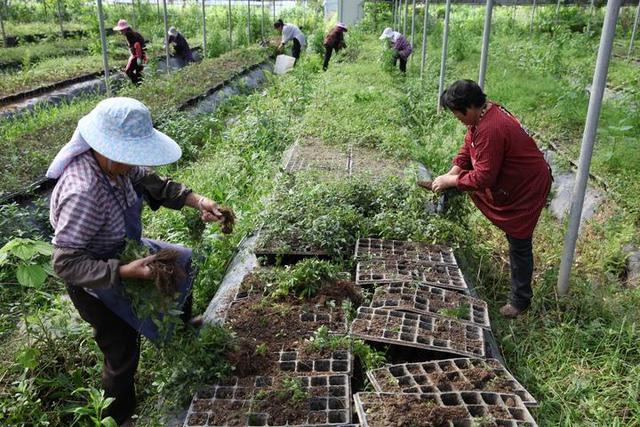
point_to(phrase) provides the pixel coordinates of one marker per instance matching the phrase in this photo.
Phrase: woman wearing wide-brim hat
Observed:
(402, 49)
(95, 206)
(137, 50)
(334, 41)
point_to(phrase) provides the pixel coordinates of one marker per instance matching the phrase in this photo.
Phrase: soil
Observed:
(168, 274)
(229, 219)
(410, 410)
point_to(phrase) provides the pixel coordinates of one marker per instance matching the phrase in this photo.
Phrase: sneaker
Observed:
(509, 311)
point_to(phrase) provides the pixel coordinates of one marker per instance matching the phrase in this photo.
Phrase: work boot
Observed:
(509, 311)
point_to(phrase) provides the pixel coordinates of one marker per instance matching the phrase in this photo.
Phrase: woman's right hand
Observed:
(138, 269)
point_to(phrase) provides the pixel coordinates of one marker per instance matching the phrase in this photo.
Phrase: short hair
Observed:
(278, 24)
(462, 95)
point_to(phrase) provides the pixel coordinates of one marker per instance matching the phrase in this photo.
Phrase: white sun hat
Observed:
(122, 25)
(121, 130)
(172, 31)
(387, 33)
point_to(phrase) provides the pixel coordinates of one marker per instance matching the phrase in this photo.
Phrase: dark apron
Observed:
(115, 298)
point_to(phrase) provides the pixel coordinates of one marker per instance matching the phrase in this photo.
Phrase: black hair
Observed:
(278, 24)
(462, 95)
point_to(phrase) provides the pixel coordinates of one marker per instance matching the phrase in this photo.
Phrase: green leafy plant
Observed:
(294, 389)
(459, 312)
(91, 413)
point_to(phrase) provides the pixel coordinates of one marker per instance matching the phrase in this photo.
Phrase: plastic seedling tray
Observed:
(453, 409)
(462, 374)
(368, 248)
(237, 402)
(367, 162)
(424, 299)
(419, 331)
(380, 271)
(338, 362)
(318, 157)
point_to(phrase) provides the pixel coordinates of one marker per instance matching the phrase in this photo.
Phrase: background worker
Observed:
(137, 49)
(400, 45)
(181, 49)
(506, 175)
(333, 41)
(96, 205)
(292, 33)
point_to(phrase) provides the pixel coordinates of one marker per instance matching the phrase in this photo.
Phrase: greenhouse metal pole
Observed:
(103, 40)
(413, 23)
(486, 35)
(424, 38)
(557, 10)
(406, 18)
(533, 16)
(248, 22)
(230, 28)
(633, 32)
(60, 20)
(274, 10)
(204, 31)
(588, 137)
(262, 22)
(445, 42)
(5, 43)
(591, 9)
(166, 33)
(133, 13)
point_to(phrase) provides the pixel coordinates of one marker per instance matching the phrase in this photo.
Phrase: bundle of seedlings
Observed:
(229, 219)
(158, 295)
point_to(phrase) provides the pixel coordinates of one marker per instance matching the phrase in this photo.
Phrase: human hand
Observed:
(427, 185)
(210, 211)
(138, 269)
(443, 182)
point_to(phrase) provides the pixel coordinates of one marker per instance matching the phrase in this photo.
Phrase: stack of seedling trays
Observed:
(420, 301)
(281, 376)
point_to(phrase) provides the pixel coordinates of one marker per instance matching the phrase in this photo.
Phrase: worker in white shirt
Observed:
(293, 33)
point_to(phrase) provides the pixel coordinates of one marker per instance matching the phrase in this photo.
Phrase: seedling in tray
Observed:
(424, 299)
(420, 331)
(380, 271)
(462, 374)
(273, 401)
(454, 409)
(368, 248)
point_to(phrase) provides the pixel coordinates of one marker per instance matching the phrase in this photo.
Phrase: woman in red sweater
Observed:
(506, 175)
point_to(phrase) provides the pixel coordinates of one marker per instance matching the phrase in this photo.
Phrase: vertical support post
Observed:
(486, 35)
(230, 28)
(588, 138)
(248, 22)
(557, 11)
(133, 13)
(262, 22)
(204, 30)
(533, 16)
(60, 19)
(274, 10)
(633, 32)
(166, 33)
(103, 41)
(406, 18)
(399, 27)
(2, 12)
(424, 38)
(591, 9)
(445, 45)
(413, 23)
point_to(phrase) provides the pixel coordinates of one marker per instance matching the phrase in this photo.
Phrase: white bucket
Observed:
(284, 63)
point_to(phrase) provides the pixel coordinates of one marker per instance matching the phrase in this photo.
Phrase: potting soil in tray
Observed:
(368, 248)
(462, 374)
(464, 409)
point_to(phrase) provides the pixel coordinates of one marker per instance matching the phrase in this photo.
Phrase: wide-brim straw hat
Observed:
(343, 26)
(387, 33)
(172, 31)
(121, 130)
(122, 25)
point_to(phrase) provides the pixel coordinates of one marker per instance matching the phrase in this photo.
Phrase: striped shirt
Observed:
(84, 212)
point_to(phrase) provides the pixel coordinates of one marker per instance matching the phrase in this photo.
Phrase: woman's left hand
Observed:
(443, 182)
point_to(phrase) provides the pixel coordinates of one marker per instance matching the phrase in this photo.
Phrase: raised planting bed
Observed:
(418, 330)
(454, 409)
(368, 248)
(273, 401)
(439, 376)
(424, 299)
(381, 271)
(369, 163)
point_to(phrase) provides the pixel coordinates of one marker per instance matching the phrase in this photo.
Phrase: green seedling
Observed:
(460, 312)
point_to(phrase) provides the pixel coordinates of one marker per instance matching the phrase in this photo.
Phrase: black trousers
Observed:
(328, 51)
(135, 74)
(403, 62)
(120, 346)
(296, 49)
(521, 263)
